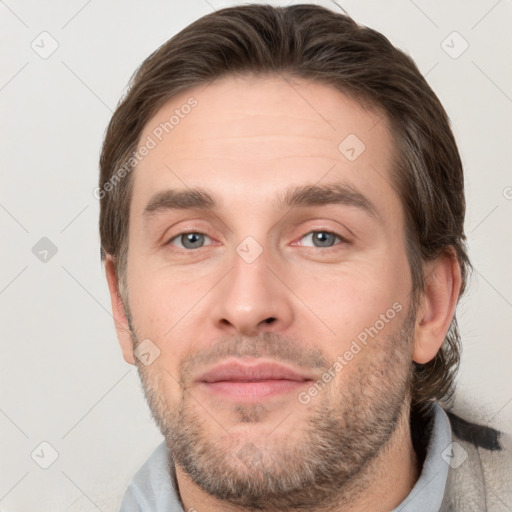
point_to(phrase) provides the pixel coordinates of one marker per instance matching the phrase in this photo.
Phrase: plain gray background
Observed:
(63, 380)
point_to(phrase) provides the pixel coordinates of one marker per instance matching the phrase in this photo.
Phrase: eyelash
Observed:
(324, 249)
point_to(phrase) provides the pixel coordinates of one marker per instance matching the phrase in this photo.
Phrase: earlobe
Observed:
(120, 320)
(437, 306)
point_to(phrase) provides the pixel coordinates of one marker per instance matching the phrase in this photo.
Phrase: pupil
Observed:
(192, 238)
(323, 238)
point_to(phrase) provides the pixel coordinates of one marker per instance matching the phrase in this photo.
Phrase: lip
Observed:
(249, 381)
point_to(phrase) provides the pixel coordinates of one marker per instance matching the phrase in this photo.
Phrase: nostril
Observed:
(269, 320)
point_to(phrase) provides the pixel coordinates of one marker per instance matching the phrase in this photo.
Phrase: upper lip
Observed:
(244, 371)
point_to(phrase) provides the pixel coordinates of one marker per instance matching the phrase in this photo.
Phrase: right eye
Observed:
(189, 240)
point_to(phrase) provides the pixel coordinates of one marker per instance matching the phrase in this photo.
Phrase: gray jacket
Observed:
(483, 482)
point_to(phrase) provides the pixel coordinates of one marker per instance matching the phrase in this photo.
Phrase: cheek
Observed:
(163, 309)
(350, 299)
(159, 298)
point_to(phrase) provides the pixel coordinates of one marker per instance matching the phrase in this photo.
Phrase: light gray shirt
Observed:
(152, 488)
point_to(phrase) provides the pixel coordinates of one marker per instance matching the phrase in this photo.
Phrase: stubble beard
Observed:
(331, 464)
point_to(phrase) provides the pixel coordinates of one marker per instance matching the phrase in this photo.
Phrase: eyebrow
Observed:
(298, 196)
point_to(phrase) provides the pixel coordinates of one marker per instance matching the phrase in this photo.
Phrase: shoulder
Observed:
(482, 472)
(480, 436)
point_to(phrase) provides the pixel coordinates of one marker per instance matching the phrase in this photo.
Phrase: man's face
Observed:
(252, 302)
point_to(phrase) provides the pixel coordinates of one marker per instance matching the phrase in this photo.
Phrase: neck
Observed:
(380, 487)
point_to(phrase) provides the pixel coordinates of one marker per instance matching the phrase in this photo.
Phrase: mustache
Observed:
(268, 345)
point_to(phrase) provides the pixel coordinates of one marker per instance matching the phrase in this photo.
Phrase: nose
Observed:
(251, 298)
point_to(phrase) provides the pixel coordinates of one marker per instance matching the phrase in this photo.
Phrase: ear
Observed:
(121, 323)
(437, 306)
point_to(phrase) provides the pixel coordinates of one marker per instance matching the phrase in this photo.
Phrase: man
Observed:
(282, 210)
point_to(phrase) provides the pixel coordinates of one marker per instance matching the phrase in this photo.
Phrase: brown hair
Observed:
(314, 43)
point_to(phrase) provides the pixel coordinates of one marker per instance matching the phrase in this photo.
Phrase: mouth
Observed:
(252, 380)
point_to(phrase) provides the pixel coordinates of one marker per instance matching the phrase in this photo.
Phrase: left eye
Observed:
(322, 238)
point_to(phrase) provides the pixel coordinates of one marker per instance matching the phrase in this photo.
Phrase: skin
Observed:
(246, 141)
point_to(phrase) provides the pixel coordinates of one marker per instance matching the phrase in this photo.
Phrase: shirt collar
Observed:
(427, 494)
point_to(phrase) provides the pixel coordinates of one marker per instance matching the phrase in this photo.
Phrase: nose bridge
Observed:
(250, 275)
(250, 296)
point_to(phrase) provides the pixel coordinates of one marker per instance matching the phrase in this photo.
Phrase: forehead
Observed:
(245, 138)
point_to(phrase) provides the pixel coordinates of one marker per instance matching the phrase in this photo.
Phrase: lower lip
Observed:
(254, 390)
